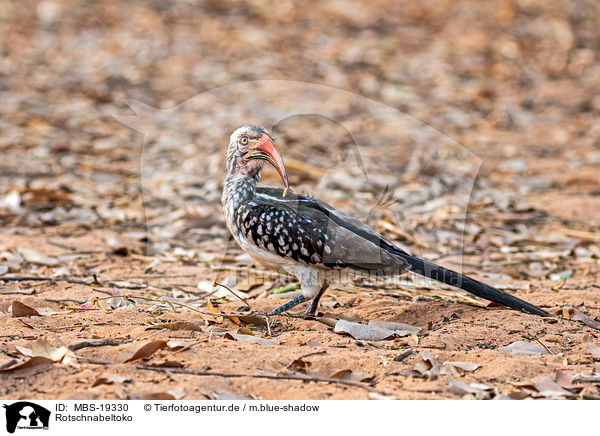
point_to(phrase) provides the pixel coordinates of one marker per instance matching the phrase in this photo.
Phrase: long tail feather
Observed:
(475, 287)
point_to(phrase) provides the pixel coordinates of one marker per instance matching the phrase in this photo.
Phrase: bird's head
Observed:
(249, 148)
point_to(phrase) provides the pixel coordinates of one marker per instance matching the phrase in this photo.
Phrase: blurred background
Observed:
(490, 165)
(515, 82)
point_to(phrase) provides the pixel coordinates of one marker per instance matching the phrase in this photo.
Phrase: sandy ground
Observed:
(508, 193)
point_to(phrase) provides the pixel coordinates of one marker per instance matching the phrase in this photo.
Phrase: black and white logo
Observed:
(26, 415)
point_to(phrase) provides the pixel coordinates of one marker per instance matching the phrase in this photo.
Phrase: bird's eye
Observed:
(244, 140)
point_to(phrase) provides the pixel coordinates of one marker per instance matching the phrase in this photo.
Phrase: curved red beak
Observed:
(266, 149)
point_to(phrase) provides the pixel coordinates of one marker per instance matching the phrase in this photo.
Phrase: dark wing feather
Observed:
(311, 231)
(361, 247)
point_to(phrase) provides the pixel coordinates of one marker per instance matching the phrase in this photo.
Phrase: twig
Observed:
(314, 353)
(62, 300)
(579, 233)
(542, 344)
(560, 285)
(234, 294)
(169, 302)
(400, 357)
(41, 279)
(93, 343)
(266, 376)
(187, 347)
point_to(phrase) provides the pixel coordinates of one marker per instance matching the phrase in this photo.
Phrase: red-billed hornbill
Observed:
(306, 237)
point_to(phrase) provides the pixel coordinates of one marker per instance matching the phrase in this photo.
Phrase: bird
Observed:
(305, 237)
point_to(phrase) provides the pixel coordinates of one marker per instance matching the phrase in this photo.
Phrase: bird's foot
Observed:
(287, 306)
(305, 315)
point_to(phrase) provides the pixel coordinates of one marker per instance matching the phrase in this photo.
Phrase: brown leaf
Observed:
(31, 362)
(586, 320)
(211, 308)
(111, 379)
(549, 388)
(253, 319)
(19, 309)
(329, 322)
(132, 353)
(348, 374)
(566, 381)
(300, 365)
(245, 331)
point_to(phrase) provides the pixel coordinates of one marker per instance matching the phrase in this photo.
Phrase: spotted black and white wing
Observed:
(312, 232)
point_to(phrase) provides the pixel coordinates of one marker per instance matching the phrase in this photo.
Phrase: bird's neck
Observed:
(237, 189)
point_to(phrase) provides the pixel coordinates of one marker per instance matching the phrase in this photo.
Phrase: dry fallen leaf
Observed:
(177, 344)
(43, 348)
(111, 379)
(32, 256)
(245, 331)
(348, 374)
(19, 309)
(300, 366)
(177, 392)
(31, 362)
(428, 366)
(566, 381)
(550, 389)
(362, 332)
(457, 369)
(253, 319)
(226, 395)
(250, 338)
(458, 387)
(328, 321)
(523, 348)
(397, 327)
(133, 351)
(586, 320)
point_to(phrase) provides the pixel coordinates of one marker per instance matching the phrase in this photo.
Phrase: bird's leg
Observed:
(287, 306)
(313, 286)
(314, 304)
